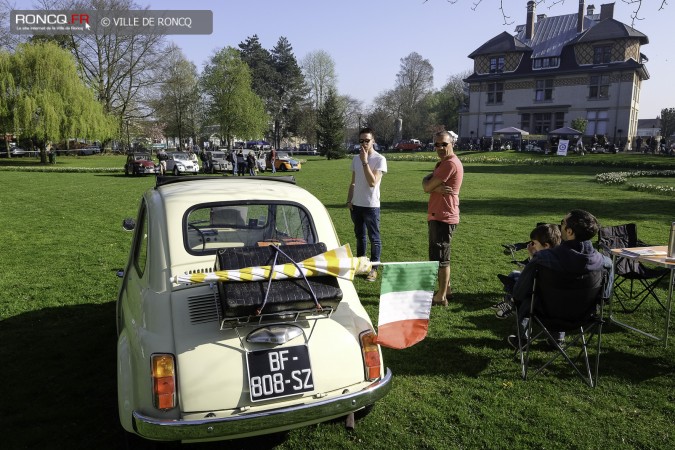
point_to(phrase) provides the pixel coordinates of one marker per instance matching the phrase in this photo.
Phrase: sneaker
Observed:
(500, 305)
(505, 310)
(372, 275)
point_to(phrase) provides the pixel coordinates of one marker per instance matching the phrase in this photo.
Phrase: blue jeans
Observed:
(367, 219)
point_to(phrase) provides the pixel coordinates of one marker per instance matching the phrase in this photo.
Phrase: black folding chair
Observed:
(633, 281)
(572, 303)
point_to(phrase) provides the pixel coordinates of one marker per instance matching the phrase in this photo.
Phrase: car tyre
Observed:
(126, 171)
(176, 171)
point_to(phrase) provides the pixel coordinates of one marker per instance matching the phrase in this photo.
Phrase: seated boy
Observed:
(542, 237)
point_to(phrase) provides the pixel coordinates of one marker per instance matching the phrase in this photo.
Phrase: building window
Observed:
(495, 93)
(543, 90)
(597, 122)
(599, 87)
(525, 122)
(602, 54)
(497, 64)
(492, 122)
(542, 123)
(546, 63)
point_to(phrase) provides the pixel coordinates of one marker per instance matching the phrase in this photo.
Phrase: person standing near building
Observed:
(363, 197)
(443, 186)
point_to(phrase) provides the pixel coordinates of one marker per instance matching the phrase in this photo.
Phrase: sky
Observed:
(368, 38)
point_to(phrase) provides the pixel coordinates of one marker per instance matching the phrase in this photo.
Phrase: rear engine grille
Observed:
(204, 308)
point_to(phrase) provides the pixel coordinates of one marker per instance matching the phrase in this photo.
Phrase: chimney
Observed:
(529, 24)
(607, 11)
(580, 16)
(590, 10)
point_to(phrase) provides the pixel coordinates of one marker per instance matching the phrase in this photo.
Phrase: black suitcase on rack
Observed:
(240, 298)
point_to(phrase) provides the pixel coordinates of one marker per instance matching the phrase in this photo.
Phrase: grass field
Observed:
(459, 388)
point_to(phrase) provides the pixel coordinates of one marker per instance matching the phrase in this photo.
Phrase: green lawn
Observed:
(459, 388)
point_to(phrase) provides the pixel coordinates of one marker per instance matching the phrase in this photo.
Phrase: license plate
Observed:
(279, 373)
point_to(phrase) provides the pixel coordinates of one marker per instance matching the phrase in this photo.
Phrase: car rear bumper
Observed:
(263, 422)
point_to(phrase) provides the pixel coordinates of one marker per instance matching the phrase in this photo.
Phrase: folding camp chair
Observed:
(572, 303)
(633, 281)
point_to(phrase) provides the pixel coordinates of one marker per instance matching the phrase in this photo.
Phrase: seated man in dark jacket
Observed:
(574, 255)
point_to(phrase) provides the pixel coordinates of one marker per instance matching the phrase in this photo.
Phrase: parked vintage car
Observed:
(180, 163)
(285, 163)
(200, 361)
(218, 162)
(140, 164)
(408, 145)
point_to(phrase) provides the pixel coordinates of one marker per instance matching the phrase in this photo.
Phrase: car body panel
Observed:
(407, 145)
(156, 315)
(218, 161)
(284, 163)
(140, 164)
(181, 163)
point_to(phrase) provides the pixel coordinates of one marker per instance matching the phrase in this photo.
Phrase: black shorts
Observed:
(440, 238)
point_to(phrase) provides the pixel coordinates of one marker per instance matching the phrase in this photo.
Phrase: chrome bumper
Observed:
(270, 421)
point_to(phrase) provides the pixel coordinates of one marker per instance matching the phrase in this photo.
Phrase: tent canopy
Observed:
(510, 130)
(565, 131)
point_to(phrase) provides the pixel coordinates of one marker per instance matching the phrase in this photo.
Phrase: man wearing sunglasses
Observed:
(443, 186)
(363, 198)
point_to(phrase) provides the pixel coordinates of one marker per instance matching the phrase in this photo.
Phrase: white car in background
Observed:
(201, 361)
(181, 163)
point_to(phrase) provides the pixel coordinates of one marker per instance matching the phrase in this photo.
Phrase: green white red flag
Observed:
(405, 302)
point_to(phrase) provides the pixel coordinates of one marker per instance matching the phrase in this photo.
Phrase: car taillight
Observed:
(371, 354)
(163, 381)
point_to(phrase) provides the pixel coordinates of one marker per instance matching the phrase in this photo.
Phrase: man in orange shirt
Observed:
(443, 186)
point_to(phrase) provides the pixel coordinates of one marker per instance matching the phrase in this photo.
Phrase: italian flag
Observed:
(405, 302)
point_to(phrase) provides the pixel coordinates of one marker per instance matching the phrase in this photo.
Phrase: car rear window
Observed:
(210, 227)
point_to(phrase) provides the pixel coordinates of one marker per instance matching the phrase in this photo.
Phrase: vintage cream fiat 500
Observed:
(229, 359)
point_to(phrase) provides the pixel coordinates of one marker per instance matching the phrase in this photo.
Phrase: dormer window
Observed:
(602, 54)
(546, 63)
(497, 64)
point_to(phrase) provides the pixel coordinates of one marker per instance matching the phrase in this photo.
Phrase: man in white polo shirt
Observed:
(363, 198)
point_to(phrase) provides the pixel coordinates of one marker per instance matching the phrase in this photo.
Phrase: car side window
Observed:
(141, 241)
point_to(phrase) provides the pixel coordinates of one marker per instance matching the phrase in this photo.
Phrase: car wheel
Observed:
(284, 168)
(176, 171)
(126, 171)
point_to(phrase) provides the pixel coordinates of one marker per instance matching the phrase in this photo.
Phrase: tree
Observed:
(580, 124)
(667, 122)
(259, 61)
(178, 100)
(8, 40)
(47, 105)
(414, 81)
(635, 15)
(446, 104)
(123, 69)
(288, 86)
(319, 70)
(330, 127)
(231, 102)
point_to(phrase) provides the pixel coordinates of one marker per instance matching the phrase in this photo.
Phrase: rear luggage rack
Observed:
(229, 323)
